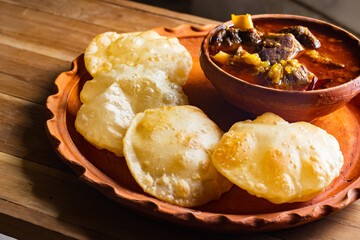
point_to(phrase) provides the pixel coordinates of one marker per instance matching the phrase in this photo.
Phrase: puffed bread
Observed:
(145, 48)
(280, 161)
(104, 120)
(113, 97)
(168, 151)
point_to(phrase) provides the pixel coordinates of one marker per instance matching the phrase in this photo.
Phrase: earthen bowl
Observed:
(291, 105)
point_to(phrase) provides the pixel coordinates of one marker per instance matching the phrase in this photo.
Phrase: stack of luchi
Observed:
(168, 149)
(135, 107)
(131, 73)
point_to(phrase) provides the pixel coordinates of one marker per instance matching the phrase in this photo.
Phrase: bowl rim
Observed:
(206, 42)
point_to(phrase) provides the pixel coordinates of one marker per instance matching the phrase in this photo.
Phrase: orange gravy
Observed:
(332, 46)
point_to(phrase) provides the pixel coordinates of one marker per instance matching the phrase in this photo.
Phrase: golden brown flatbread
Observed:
(280, 161)
(168, 151)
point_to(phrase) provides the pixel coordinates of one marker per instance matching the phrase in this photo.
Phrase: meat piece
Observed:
(229, 39)
(226, 40)
(279, 46)
(290, 75)
(303, 35)
(250, 36)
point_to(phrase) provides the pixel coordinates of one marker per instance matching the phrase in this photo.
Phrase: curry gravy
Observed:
(332, 46)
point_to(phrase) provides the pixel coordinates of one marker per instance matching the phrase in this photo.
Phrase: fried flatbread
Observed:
(145, 48)
(113, 97)
(280, 161)
(168, 151)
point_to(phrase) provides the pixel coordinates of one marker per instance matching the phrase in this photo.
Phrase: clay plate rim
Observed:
(65, 148)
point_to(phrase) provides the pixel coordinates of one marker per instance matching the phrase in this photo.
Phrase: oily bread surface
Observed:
(139, 48)
(168, 151)
(277, 160)
(113, 98)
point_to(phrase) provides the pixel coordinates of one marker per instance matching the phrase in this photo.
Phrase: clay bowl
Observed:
(291, 105)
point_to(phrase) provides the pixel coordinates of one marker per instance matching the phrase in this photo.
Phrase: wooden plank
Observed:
(34, 26)
(186, 18)
(22, 184)
(341, 225)
(28, 75)
(23, 133)
(59, 202)
(44, 33)
(350, 217)
(23, 223)
(122, 16)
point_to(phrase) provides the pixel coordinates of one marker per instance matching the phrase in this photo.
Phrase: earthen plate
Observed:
(236, 210)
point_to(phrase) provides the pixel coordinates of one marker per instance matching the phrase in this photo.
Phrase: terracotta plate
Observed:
(236, 210)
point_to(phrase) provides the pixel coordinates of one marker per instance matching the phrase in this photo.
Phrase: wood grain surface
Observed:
(40, 197)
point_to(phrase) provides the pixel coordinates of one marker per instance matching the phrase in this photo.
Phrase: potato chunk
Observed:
(242, 21)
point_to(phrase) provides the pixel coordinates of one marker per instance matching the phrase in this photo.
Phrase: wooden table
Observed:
(40, 197)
